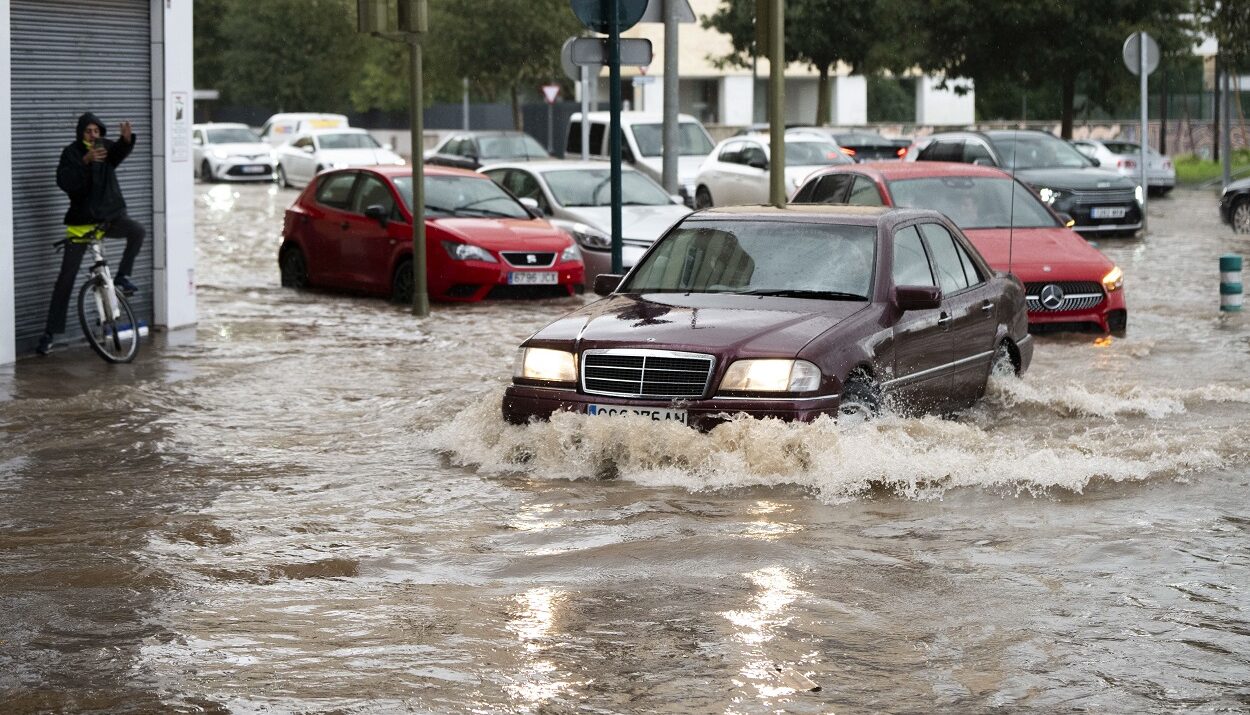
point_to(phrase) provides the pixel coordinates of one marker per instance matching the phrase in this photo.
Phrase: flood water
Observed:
(309, 503)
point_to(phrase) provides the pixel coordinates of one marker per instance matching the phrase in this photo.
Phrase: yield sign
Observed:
(550, 92)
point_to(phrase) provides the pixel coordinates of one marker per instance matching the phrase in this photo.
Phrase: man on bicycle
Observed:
(88, 176)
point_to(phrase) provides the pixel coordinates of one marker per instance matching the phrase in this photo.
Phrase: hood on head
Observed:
(87, 119)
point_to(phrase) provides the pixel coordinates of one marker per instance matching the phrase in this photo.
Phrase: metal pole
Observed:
(1226, 128)
(672, 149)
(777, 104)
(586, 112)
(550, 146)
(614, 82)
(1145, 125)
(420, 292)
(466, 104)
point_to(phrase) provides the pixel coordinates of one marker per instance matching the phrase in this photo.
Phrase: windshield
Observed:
(231, 135)
(974, 202)
(1127, 148)
(463, 196)
(760, 257)
(691, 139)
(860, 139)
(592, 187)
(347, 141)
(1035, 151)
(814, 153)
(511, 147)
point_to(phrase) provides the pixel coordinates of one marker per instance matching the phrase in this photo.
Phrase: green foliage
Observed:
(1192, 170)
(891, 99)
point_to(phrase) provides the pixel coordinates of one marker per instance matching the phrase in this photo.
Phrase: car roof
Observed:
(488, 132)
(336, 130)
(553, 165)
(636, 117)
(220, 125)
(894, 170)
(305, 115)
(395, 172)
(817, 213)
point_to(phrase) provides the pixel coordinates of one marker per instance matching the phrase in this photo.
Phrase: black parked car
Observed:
(861, 144)
(470, 150)
(1235, 205)
(1098, 200)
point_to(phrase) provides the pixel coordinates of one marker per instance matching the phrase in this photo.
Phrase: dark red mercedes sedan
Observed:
(790, 313)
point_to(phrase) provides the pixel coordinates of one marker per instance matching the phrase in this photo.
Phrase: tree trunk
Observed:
(823, 97)
(1163, 116)
(1069, 100)
(518, 119)
(1215, 141)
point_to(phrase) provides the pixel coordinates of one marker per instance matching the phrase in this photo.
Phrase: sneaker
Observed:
(127, 288)
(45, 344)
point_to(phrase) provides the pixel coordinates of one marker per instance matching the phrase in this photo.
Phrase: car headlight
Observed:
(588, 236)
(467, 252)
(771, 376)
(1114, 280)
(571, 254)
(1049, 196)
(219, 153)
(1139, 194)
(545, 364)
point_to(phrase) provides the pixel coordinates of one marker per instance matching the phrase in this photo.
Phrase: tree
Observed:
(820, 33)
(1228, 21)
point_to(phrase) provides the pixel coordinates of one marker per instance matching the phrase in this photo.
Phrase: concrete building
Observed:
(123, 60)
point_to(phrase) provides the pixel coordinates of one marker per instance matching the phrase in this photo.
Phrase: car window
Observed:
(452, 146)
(597, 130)
(1036, 150)
(830, 261)
(828, 189)
(302, 142)
(510, 146)
(372, 191)
(347, 141)
(335, 190)
(946, 258)
(198, 138)
(475, 196)
(752, 152)
(974, 202)
(691, 139)
(592, 187)
(231, 135)
(974, 151)
(911, 263)
(864, 193)
(523, 185)
(731, 153)
(814, 153)
(946, 150)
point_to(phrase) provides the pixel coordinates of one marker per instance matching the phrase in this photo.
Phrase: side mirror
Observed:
(531, 205)
(982, 161)
(1095, 161)
(607, 283)
(307, 148)
(677, 199)
(388, 146)
(1066, 220)
(378, 213)
(917, 297)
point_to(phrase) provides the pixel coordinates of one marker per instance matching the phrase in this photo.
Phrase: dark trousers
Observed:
(72, 258)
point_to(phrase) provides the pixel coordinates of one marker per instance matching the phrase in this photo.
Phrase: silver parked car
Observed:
(231, 152)
(1124, 157)
(577, 197)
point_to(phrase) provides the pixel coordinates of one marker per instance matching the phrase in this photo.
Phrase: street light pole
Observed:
(777, 103)
(420, 291)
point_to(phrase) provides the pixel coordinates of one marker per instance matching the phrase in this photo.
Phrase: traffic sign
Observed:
(593, 51)
(594, 14)
(655, 11)
(571, 70)
(1132, 53)
(551, 92)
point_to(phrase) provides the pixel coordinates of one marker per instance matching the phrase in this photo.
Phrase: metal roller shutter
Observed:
(69, 57)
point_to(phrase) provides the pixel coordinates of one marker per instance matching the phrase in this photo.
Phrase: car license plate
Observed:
(534, 278)
(1108, 212)
(657, 414)
(255, 169)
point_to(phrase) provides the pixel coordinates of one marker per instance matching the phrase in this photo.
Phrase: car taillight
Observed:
(1126, 164)
(848, 151)
(902, 152)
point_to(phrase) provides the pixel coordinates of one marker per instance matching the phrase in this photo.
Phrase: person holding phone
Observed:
(87, 173)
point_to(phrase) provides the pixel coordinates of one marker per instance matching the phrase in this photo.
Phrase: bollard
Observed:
(1230, 283)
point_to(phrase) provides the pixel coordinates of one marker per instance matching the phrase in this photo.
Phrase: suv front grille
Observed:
(1103, 196)
(1071, 295)
(660, 374)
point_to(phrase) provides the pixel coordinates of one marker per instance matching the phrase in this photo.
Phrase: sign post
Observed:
(777, 103)
(550, 93)
(1141, 56)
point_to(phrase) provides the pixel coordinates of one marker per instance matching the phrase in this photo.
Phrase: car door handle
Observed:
(987, 307)
(944, 320)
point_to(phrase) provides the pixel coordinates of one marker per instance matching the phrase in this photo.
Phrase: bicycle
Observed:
(103, 313)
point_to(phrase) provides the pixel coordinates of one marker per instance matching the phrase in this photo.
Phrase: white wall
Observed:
(8, 319)
(172, 174)
(737, 100)
(850, 101)
(944, 107)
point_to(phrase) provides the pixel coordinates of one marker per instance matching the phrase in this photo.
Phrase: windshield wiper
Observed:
(486, 212)
(799, 293)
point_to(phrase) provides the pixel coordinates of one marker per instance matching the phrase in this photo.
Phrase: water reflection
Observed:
(755, 627)
(539, 680)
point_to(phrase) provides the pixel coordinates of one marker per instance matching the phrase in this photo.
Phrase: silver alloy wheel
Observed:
(1241, 216)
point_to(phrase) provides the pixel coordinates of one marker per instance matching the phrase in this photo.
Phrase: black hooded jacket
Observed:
(94, 194)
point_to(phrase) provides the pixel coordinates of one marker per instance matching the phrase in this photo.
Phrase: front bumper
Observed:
(471, 281)
(524, 403)
(238, 169)
(1107, 316)
(1086, 223)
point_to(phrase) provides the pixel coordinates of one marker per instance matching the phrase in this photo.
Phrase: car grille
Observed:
(1103, 196)
(1077, 295)
(523, 259)
(646, 373)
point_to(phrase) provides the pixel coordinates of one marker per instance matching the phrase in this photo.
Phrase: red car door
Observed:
(922, 339)
(368, 242)
(973, 314)
(327, 219)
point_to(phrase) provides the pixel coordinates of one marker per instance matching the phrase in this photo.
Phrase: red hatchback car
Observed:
(1068, 283)
(352, 229)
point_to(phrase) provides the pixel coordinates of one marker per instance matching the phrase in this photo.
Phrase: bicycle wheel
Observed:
(113, 337)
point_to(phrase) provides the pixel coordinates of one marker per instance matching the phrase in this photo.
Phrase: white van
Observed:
(643, 145)
(282, 128)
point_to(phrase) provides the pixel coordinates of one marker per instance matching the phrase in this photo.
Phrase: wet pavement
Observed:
(309, 503)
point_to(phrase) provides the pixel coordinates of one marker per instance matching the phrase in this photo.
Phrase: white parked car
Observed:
(577, 197)
(1124, 158)
(231, 152)
(737, 172)
(312, 153)
(282, 128)
(643, 145)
